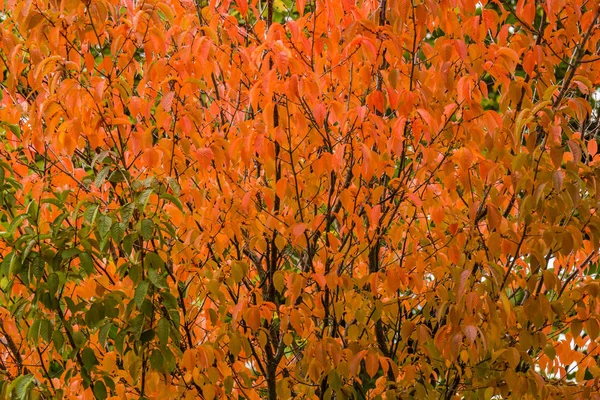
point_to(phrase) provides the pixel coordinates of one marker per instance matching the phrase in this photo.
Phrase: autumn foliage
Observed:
(326, 199)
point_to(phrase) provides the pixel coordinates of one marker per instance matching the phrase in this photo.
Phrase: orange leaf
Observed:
(470, 333)
(372, 363)
(167, 101)
(592, 328)
(253, 318)
(205, 156)
(592, 147)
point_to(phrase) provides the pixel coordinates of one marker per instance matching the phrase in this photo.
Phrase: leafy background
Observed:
(330, 199)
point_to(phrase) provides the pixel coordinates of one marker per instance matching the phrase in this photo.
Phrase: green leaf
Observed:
(136, 325)
(15, 266)
(37, 267)
(156, 360)
(79, 339)
(89, 215)
(95, 314)
(2, 176)
(147, 336)
(22, 385)
(100, 390)
(34, 330)
(147, 308)
(135, 273)
(111, 307)
(68, 253)
(120, 341)
(102, 156)
(109, 382)
(128, 242)
(18, 309)
(103, 333)
(162, 330)
(169, 301)
(172, 199)
(117, 176)
(143, 198)
(40, 329)
(333, 379)
(53, 282)
(33, 209)
(153, 261)
(57, 202)
(117, 232)
(156, 279)
(89, 358)
(169, 358)
(13, 128)
(228, 384)
(101, 177)
(127, 212)
(174, 185)
(5, 265)
(86, 263)
(58, 339)
(13, 226)
(45, 330)
(27, 250)
(147, 228)
(140, 293)
(103, 244)
(104, 224)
